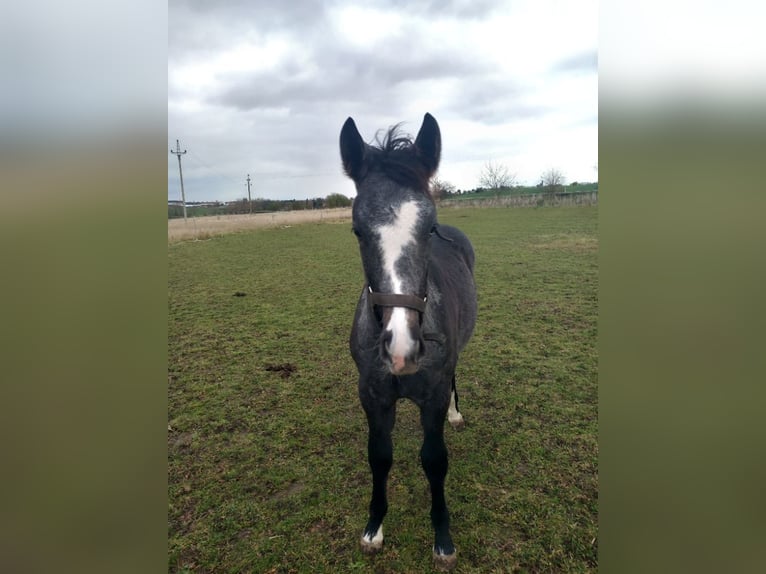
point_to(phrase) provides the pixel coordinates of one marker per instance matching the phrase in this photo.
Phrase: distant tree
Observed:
(441, 188)
(239, 206)
(552, 180)
(495, 176)
(337, 200)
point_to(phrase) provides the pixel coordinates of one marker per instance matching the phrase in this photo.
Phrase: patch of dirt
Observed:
(284, 369)
(184, 440)
(330, 529)
(293, 489)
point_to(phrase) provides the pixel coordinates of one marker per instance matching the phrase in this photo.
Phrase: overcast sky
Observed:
(263, 88)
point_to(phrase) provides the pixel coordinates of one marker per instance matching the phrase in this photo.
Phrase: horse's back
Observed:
(459, 242)
(453, 262)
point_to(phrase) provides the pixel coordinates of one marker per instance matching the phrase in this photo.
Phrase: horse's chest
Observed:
(416, 388)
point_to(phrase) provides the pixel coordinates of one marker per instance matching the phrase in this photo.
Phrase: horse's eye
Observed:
(433, 230)
(356, 232)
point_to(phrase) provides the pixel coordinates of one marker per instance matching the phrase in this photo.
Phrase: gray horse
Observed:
(415, 314)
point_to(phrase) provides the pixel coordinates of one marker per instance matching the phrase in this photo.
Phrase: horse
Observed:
(415, 314)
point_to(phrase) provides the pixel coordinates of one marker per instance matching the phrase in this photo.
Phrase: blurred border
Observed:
(83, 165)
(681, 200)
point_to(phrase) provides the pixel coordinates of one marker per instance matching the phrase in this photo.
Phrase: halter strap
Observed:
(397, 300)
(409, 301)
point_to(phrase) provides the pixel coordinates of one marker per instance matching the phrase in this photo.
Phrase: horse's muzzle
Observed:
(402, 363)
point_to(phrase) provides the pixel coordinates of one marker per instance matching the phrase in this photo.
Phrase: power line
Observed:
(299, 175)
(211, 168)
(265, 175)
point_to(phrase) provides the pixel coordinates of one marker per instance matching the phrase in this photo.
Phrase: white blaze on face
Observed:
(394, 237)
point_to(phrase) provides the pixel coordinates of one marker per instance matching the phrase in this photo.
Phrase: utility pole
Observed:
(249, 201)
(179, 153)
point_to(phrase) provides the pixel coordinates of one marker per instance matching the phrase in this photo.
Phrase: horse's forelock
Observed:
(395, 155)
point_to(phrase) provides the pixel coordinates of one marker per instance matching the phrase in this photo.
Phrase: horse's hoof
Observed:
(371, 548)
(445, 562)
(458, 423)
(374, 544)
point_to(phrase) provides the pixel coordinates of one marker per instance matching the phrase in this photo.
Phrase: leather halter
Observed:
(396, 300)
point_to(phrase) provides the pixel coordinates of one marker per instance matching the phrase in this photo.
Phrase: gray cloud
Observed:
(495, 100)
(265, 14)
(584, 62)
(341, 75)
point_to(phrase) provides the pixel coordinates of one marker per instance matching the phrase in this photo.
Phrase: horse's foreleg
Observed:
(380, 457)
(433, 456)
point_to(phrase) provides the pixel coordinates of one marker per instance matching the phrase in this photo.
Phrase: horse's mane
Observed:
(394, 154)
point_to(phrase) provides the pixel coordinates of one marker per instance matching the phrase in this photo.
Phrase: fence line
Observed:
(527, 200)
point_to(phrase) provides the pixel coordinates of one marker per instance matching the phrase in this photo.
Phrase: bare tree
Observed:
(441, 188)
(495, 176)
(552, 180)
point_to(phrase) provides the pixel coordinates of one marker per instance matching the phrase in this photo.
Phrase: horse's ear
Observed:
(429, 143)
(352, 150)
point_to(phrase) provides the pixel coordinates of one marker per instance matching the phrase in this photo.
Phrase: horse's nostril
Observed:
(386, 343)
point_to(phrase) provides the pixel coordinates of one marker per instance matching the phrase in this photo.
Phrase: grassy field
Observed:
(267, 440)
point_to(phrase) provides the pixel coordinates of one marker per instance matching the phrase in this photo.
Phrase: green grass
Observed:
(268, 468)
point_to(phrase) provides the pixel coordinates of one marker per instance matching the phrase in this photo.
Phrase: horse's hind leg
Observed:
(434, 457)
(380, 456)
(453, 414)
